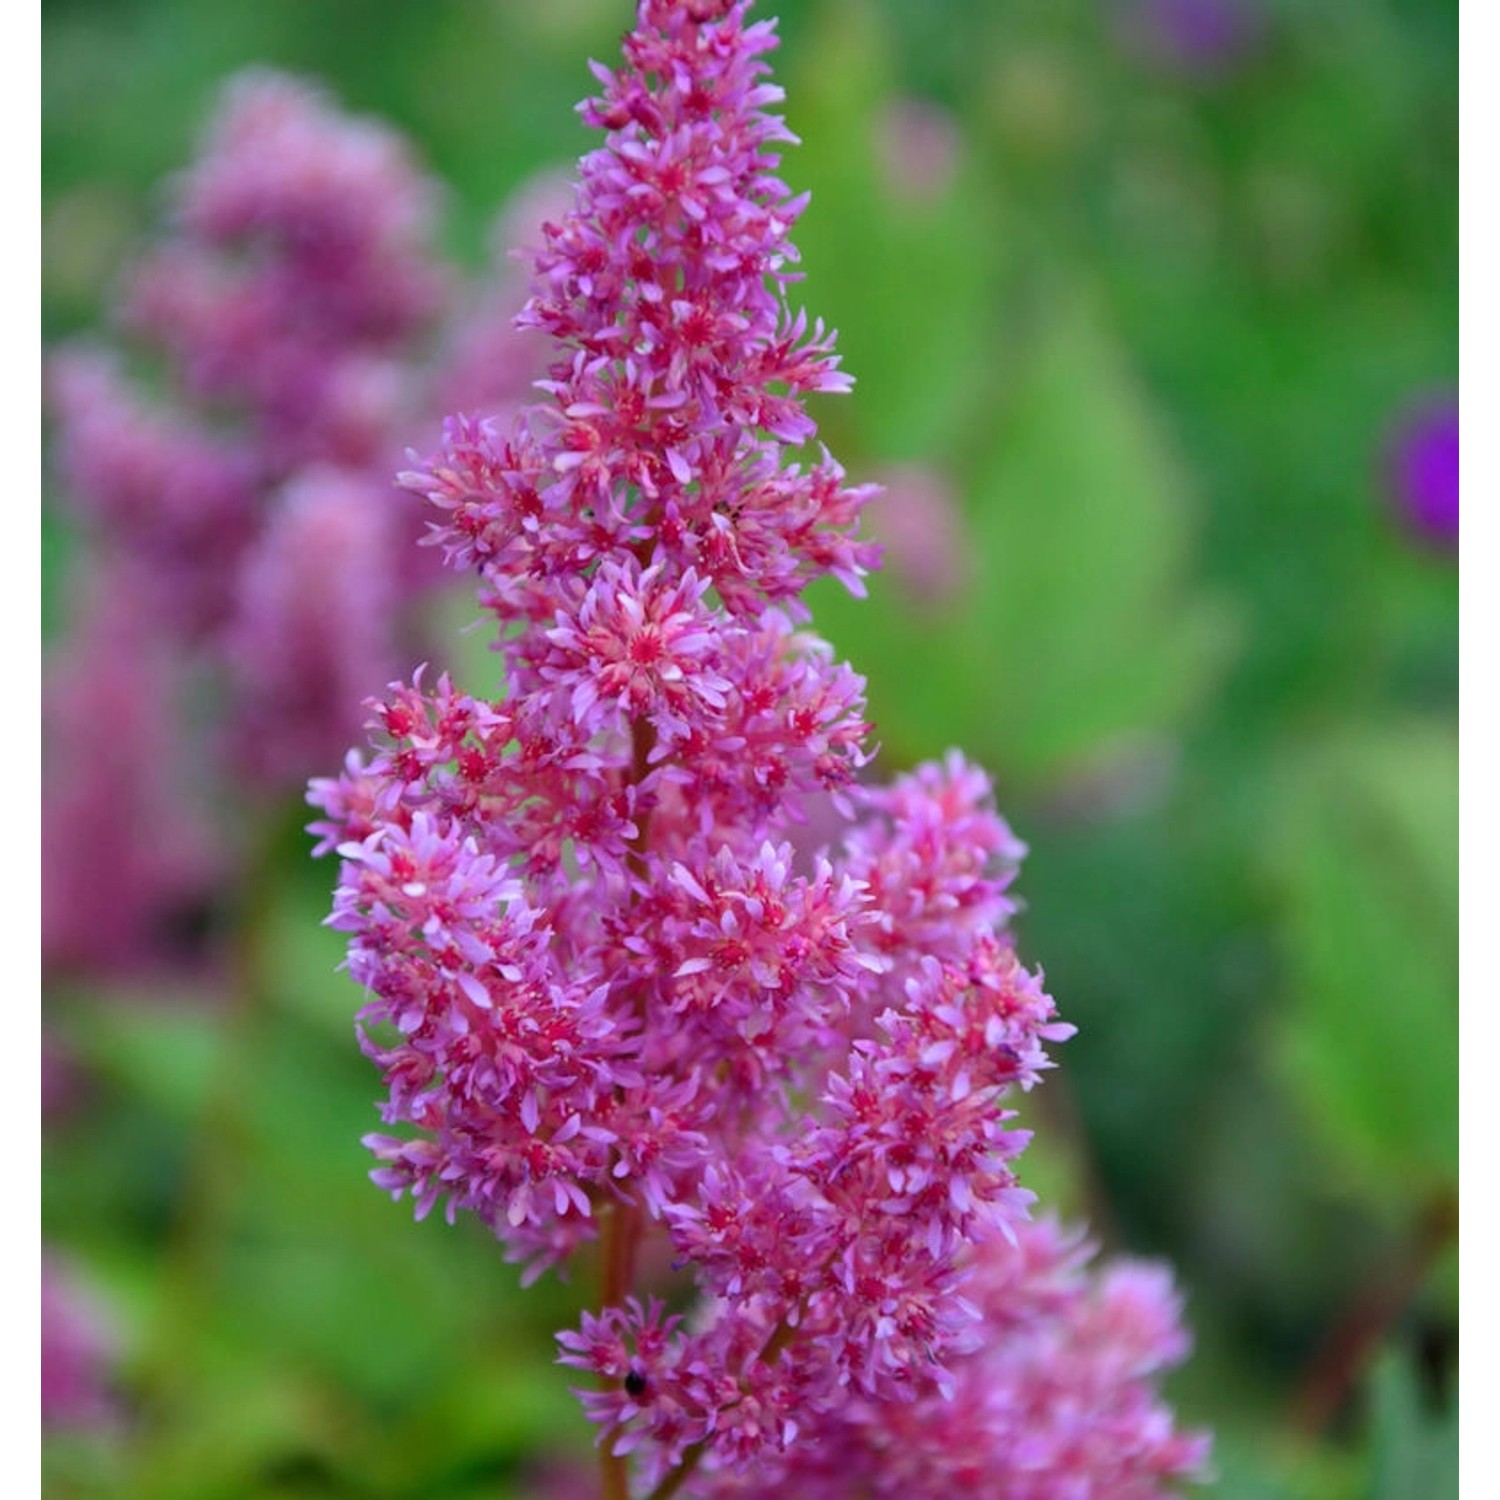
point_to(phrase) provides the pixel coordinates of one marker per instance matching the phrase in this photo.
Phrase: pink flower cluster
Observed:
(612, 991)
(78, 1353)
(243, 542)
(288, 304)
(128, 853)
(1058, 1398)
(300, 268)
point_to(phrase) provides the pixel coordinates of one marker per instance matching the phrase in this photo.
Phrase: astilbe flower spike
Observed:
(611, 992)
(287, 304)
(251, 569)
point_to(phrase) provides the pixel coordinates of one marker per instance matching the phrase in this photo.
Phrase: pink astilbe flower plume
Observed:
(289, 302)
(300, 263)
(310, 633)
(130, 850)
(1056, 1399)
(291, 312)
(610, 997)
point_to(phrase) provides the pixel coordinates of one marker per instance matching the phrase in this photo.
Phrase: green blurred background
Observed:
(1151, 315)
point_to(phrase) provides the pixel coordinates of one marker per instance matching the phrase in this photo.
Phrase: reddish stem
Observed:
(621, 1236)
(671, 1483)
(614, 1479)
(642, 742)
(622, 1232)
(1375, 1308)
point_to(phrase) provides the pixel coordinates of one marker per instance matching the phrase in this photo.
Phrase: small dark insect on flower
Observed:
(635, 1383)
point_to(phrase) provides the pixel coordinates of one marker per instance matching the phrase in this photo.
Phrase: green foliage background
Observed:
(1153, 332)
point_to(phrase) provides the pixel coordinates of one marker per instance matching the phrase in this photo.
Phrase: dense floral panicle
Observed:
(496, 1050)
(130, 860)
(762, 958)
(938, 861)
(607, 992)
(681, 372)
(793, 726)
(356, 801)
(1055, 1401)
(851, 1221)
(670, 1388)
(637, 647)
(478, 479)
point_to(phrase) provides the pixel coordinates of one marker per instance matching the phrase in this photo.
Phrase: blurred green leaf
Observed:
(81, 1466)
(1366, 859)
(506, 1408)
(1415, 1451)
(163, 1051)
(1250, 1469)
(909, 281)
(1091, 628)
(306, 956)
(244, 1421)
(1082, 637)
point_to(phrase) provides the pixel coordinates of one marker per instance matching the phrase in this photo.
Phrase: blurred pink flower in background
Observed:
(130, 856)
(312, 635)
(919, 147)
(247, 566)
(925, 546)
(292, 304)
(78, 1351)
(301, 259)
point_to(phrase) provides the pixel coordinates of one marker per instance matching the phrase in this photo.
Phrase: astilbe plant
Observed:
(613, 992)
(250, 569)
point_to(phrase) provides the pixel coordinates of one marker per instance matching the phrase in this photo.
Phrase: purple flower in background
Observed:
(315, 598)
(154, 487)
(302, 260)
(1204, 38)
(1422, 469)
